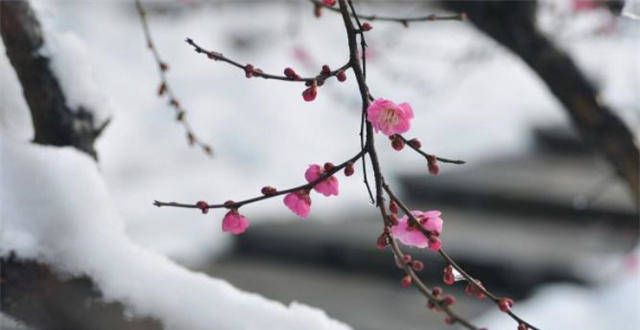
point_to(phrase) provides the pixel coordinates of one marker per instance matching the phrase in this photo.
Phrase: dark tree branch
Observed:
(33, 292)
(512, 23)
(54, 122)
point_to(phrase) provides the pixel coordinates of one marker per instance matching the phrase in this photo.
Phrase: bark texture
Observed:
(512, 24)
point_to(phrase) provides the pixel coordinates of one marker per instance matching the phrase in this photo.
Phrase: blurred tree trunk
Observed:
(32, 292)
(512, 23)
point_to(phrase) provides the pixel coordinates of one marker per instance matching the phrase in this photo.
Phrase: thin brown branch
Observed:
(416, 224)
(251, 71)
(397, 19)
(307, 186)
(165, 89)
(427, 155)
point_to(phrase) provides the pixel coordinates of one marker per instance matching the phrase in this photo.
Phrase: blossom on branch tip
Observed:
(234, 222)
(328, 186)
(388, 117)
(409, 235)
(299, 203)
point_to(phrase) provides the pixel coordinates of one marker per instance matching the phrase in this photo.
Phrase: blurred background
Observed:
(535, 213)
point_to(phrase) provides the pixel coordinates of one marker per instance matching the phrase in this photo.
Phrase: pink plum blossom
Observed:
(388, 117)
(328, 186)
(299, 203)
(234, 223)
(408, 235)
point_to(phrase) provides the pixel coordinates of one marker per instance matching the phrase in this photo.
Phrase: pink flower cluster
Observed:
(299, 202)
(409, 235)
(388, 117)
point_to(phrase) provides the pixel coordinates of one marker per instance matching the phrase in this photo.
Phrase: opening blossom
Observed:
(408, 235)
(299, 203)
(328, 186)
(234, 223)
(388, 117)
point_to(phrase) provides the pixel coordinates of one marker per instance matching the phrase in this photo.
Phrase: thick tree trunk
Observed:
(54, 122)
(32, 292)
(512, 23)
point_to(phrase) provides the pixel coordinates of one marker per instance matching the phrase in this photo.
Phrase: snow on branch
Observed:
(50, 215)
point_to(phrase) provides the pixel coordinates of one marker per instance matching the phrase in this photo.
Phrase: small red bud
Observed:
(325, 70)
(310, 94)
(432, 164)
(406, 281)
(268, 191)
(397, 143)
(248, 70)
(417, 265)
(366, 26)
(289, 73)
(203, 206)
(431, 304)
(341, 76)
(406, 258)
(436, 291)
(449, 320)
(328, 166)
(382, 241)
(415, 143)
(505, 304)
(447, 275)
(448, 300)
(393, 207)
(522, 326)
(163, 66)
(348, 170)
(329, 3)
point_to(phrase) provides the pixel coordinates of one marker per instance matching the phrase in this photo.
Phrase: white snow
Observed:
(611, 305)
(71, 64)
(57, 209)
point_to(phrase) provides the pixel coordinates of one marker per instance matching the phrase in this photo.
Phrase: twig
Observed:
(165, 88)
(236, 205)
(251, 71)
(401, 20)
(427, 156)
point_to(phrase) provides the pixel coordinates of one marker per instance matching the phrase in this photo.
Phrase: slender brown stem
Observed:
(426, 155)
(414, 222)
(255, 72)
(236, 205)
(397, 19)
(165, 87)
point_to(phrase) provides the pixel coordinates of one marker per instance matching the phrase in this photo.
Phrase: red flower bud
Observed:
(447, 275)
(203, 206)
(268, 191)
(310, 93)
(417, 265)
(248, 70)
(325, 70)
(289, 73)
(436, 291)
(328, 166)
(366, 26)
(415, 143)
(505, 304)
(329, 3)
(393, 207)
(341, 76)
(448, 300)
(397, 143)
(348, 170)
(406, 281)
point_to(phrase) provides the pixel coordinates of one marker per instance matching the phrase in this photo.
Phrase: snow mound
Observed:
(55, 208)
